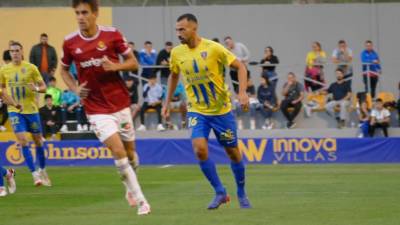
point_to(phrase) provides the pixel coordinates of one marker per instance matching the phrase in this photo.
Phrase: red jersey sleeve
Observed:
(120, 44)
(66, 59)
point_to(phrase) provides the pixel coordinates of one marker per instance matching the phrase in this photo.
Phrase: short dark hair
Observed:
(52, 79)
(131, 42)
(216, 40)
(271, 49)
(339, 70)
(44, 35)
(94, 4)
(148, 43)
(168, 43)
(46, 96)
(379, 100)
(291, 73)
(16, 43)
(341, 41)
(368, 42)
(227, 37)
(188, 17)
(6, 55)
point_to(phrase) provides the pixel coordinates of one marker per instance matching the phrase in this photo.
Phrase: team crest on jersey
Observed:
(203, 55)
(101, 46)
(78, 51)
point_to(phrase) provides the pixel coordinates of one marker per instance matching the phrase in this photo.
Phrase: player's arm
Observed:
(129, 63)
(39, 87)
(8, 99)
(80, 90)
(242, 76)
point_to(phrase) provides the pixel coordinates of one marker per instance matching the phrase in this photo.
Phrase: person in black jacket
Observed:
(50, 116)
(132, 86)
(268, 101)
(163, 60)
(269, 71)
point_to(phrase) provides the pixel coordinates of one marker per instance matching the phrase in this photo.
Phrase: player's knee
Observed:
(23, 141)
(201, 155)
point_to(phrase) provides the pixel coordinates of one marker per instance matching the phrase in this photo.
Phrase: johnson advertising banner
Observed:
(257, 150)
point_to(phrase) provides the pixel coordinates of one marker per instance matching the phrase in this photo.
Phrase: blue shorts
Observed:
(25, 122)
(224, 127)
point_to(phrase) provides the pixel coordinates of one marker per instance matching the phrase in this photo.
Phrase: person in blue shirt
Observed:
(178, 101)
(147, 57)
(371, 67)
(70, 103)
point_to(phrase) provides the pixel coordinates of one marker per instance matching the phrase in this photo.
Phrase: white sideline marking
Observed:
(166, 166)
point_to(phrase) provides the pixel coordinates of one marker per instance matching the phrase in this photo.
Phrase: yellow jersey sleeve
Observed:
(36, 76)
(226, 57)
(2, 77)
(173, 65)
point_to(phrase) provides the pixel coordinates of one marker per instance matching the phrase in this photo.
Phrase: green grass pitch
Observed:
(280, 194)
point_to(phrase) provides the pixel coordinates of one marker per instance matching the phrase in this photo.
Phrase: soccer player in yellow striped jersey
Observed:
(201, 63)
(20, 81)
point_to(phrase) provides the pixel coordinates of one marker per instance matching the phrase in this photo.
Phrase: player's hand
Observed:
(33, 87)
(165, 111)
(108, 65)
(19, 107)
(82, 91)
(244, 101)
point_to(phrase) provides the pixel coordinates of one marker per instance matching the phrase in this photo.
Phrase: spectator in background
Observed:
(50, 116)
(268, 101)
(341, 94)
(242, 53)
(44, 56)
(163, 60)
(269, 71)
(72, 70)
(380, 118)
(70, 104)
(132, 86)
(127, 74)
(293, 93)
(6, 53)
(398, 105)
(364, 119)
(147, 57)
(54, 91)
(3, 115)
(343, 56)
(253, 103)
(178, 101)
(152, 94)
(314, 69)
(371, 67)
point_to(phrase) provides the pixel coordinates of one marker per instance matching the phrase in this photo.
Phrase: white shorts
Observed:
(105, 125)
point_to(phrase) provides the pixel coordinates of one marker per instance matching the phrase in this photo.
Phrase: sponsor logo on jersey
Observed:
(203, 55)
(91, 62)
(101, 46)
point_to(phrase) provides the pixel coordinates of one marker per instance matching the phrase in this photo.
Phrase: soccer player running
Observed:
(95, 49)
(201, 62)
(20, 82)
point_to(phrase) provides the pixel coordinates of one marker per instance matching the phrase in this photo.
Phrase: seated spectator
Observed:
(132, 86)
(364, 119)
(343, 57)
(293, 93)
(178, 101)
(398, 105)
(314, 68)
(54, 91)
(3, 115)
(269, 71)
(341, 95)
(70, 104)
(380, 118)
(253, 103)
(50, 116)
(268, 101)
(152, 94)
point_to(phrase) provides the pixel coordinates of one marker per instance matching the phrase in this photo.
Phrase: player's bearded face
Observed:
(85, 16)
(185, 31)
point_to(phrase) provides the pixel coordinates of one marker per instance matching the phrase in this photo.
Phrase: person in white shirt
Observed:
(380, 118)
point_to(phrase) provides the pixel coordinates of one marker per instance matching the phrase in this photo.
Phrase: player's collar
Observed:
(91, 38)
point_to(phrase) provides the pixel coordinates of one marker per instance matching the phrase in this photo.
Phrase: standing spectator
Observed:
(132, 86)
(341, 93)
(293, 93)
(343, 56)
(6, 53)
(70, 104)
(364, 119)
(268, 101)
(269, 71)
(44, 56)
(54, 91)
(314, 69)
(253, 103)
(152, 94)
(50, 116)
(3, 115)
(147, 57)
(163, 60)
(135, 72)
(242, 53)
(371, 67)
(380, 118)
(178, 101)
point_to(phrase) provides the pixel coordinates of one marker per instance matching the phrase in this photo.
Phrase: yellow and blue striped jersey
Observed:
(16, 79)
(202, 69)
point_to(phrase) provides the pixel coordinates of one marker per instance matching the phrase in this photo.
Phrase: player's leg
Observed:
(36, 130)
(11, 186)
(224, 127)
(200, 131)
(3, 173)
